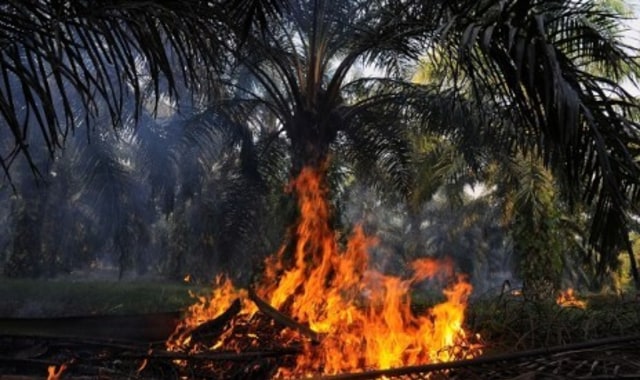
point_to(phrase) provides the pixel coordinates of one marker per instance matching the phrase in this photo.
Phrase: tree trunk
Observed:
(311, 137)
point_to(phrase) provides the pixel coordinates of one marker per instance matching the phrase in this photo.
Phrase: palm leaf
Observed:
(534, 55)
(55, 55)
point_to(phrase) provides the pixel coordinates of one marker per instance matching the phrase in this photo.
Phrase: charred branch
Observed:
(599, 359)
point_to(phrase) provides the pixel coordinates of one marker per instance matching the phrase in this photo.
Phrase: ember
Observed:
(345, 316)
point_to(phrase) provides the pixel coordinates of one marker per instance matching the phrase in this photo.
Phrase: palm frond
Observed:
(55, 55)
(250, 15)
(109, 182)
(534, 56)
(375, 141)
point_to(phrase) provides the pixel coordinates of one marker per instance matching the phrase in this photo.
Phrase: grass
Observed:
(510, 323)
(23, 298)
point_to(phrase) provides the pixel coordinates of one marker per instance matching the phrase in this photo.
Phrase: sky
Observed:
(634, 36)
(635, 23)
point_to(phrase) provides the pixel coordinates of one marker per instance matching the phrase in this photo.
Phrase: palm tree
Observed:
(304, 75)
(521, 65)
(527, 167)
(535, 58)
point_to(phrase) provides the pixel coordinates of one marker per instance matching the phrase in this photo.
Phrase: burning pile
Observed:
(343, 315)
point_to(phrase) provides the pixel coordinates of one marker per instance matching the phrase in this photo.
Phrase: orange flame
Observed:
(365, 317)
(54, 374)
(208, 308)
(568, 298)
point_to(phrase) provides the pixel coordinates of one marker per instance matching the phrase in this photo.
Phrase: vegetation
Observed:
(157, 136)
(513, 323)
(506, 322)
(25, 298)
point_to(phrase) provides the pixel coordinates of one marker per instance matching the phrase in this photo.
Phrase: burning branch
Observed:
(282, 318)
(215, 326)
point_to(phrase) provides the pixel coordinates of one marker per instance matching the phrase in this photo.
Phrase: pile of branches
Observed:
(246, 349)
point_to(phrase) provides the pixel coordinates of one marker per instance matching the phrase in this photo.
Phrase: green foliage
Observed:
(537, 231)
(534, 55)
(27, 298)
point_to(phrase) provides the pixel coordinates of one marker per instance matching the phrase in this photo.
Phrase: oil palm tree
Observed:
(537, 59)
(521, 63)
(554, 23)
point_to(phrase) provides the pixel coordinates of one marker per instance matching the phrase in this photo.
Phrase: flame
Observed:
(54, 374)
(364, 317)
(208, 308)
(568, 298)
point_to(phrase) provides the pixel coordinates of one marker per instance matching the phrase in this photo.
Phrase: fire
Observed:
(54, 374)
(567, 298)
(364, 318)
(208, 308)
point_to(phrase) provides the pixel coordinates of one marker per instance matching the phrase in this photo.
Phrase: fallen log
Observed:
(71, 341)
(39, 368)
(283, 319)
(26, 363)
